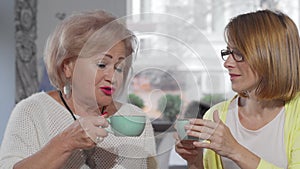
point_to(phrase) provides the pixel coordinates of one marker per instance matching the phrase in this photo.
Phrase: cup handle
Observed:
(108, 129)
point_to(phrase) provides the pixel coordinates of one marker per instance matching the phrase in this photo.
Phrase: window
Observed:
(180, 56)
(182, 39)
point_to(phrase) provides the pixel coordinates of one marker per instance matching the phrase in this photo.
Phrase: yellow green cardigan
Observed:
(291, 136)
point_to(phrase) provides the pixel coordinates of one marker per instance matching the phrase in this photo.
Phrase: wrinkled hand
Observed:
(94, 127)
(187, 150)
(216, 132)
(83, 133)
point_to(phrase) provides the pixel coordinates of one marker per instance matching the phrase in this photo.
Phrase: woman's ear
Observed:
(68, 67)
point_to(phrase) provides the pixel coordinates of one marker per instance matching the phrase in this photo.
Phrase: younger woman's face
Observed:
(242, 77)
(96, 79)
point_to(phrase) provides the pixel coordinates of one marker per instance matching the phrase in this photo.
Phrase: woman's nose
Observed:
(229, 62)
(109, 73)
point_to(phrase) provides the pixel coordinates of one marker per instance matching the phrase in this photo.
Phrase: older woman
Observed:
(260, 126)
(88, 58)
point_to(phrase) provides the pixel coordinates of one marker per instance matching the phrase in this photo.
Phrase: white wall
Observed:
(7, 62)
(46, 23)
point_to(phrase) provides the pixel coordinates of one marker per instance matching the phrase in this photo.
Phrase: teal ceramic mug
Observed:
(126, 125)
(180, 123)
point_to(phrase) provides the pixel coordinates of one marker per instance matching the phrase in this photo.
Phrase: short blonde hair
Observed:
(75, 33)
(269, 42)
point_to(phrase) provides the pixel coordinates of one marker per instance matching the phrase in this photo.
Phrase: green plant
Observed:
(136, 100)
(170, 106)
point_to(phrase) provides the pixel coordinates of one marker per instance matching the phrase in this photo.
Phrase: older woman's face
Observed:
(242, 77)
(96, 79)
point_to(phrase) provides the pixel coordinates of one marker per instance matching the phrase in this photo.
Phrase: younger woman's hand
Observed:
(188, 151)
(216, 132)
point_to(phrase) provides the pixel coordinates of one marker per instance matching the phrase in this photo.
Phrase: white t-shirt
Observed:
(266, 142)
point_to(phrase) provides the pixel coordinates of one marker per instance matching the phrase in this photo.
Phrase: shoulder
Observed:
(292, 106)
(32, 104)
(295, 101)
(292, 109)
(26, 111)
(292, 124)
(31, 101)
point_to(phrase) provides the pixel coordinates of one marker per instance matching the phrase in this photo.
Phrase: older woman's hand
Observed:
(85, 132)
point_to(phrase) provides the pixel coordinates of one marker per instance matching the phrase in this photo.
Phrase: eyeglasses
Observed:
(225, 53)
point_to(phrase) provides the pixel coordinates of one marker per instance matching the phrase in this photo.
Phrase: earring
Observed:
(67, 89)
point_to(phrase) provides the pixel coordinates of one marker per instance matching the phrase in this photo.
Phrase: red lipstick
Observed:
(107, 90)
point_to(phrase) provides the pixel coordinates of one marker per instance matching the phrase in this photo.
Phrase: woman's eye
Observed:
(101, 65)
(237, 52)
(119, 69)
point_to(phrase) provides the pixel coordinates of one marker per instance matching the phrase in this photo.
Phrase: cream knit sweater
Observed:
(37, 119)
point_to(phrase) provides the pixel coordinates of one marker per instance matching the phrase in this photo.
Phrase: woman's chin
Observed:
(104, 102)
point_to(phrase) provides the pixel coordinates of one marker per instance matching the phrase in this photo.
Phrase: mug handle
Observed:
(107, 129)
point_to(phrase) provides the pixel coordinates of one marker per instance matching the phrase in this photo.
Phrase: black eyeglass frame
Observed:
(236, 57)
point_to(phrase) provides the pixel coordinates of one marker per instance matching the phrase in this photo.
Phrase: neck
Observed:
(112, 108)
(81, 109)
(254, 114)
(252, 106)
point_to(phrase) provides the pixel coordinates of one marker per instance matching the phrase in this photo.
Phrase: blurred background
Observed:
(177, 72)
